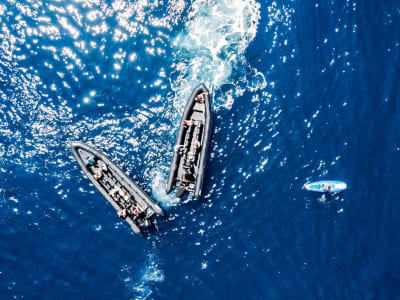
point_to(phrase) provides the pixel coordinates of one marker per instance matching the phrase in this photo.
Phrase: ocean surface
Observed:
(301, 91)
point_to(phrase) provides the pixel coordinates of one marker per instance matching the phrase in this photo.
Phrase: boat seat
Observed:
(187, 167)
(188, 136)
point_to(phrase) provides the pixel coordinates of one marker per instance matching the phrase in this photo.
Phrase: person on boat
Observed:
(327, 187)
(196, 144)
(180, 149)
(103, 167)
(199, 98)
(126, 197)
(188, 122)
(90, 161)
(113, 192)
(122, 213)
(191, 157)
(98, 174)
(134, 210)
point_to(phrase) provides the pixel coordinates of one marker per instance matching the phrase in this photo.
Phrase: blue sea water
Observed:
(302, 91)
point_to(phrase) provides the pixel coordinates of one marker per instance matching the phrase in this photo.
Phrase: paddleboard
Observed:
(324, 186)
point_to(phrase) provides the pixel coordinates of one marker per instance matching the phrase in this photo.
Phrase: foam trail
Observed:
(159, 182)
(141, 288)
(211, 49)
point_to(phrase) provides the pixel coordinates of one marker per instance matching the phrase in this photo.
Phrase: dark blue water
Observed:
(302, 91)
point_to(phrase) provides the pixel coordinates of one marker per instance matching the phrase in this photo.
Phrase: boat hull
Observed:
(125, 190)
(191, 147)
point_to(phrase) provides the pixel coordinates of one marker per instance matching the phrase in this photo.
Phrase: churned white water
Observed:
(211, 48)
